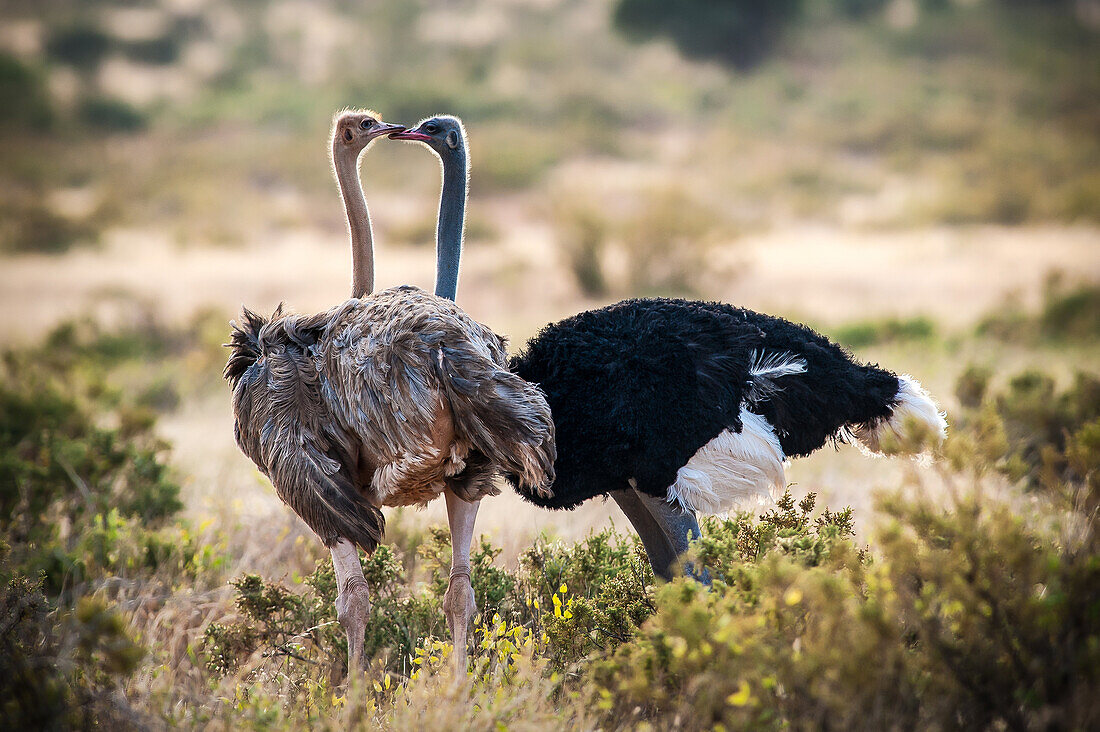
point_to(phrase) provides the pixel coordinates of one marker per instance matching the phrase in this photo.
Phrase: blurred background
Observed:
(918, 178)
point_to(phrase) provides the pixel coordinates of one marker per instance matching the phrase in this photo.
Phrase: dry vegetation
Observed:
(908, 176)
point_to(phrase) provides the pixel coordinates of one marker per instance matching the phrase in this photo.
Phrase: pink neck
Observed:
(346, 162)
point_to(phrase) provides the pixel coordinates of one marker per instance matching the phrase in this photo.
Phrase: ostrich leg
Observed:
(458, 604)
(353, 600)
(679, 528)
(657, 546)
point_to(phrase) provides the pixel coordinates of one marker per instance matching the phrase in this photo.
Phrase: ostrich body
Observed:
(675, 407)
(640, 387)
(385, 400)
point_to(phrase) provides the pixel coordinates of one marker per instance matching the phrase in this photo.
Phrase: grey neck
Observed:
(346, 162)
(452, 220)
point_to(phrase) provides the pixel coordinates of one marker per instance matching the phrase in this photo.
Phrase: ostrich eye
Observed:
(366, 124)
(431, 128)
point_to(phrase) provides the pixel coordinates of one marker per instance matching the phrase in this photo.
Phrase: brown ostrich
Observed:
(387, 399)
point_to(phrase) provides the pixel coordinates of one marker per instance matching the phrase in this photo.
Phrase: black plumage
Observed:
(636, 388)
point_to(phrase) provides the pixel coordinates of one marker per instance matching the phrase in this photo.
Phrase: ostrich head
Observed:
(354, 129)
(444, 134)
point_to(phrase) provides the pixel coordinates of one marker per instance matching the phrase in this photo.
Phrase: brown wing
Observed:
(284, 425)
(392, 356)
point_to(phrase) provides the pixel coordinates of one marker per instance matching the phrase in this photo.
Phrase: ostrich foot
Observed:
(353, 600)
(459, 607)
(458, 604)
(352, 610)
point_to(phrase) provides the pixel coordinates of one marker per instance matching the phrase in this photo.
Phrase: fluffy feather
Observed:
(639, 387)
(383, 400)
(765, 368)
(735, 468)
(914, 425)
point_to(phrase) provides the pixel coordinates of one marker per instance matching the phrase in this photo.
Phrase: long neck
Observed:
(452, 219)
(346, 163)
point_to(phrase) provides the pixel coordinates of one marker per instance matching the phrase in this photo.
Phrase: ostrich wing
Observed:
(504, 417)
(392, 357)
(285, 427)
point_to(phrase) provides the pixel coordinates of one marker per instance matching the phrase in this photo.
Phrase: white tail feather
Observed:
(765, 368)
(733, 468)
(914, 426)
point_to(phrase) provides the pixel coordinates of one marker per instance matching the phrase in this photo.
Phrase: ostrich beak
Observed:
(411, 135)
(386, 128)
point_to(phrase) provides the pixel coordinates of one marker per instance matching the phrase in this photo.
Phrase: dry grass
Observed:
(825, 273)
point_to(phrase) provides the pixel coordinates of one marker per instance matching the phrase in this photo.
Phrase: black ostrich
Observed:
(674, 407)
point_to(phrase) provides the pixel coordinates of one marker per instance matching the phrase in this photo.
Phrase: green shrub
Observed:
(80, 45)
(1030, 432)
(890, 330)
(736, 32)
(666, 236)
(86, 495)
(667, 242)
(157, 51)
(53, 458)
(1072, 315)
(972, 384)
(24, 99)
(967, 617)
(583, 233)
(35, 229)
(1066, 314)
(110, 115)
(61, 670)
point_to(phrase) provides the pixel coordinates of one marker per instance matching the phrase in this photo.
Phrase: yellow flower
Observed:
(563, 589)
(742, 696)
(793, 596)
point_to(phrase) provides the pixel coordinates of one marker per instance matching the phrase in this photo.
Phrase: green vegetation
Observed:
(966, 616)
(110, 115)
(958, 609)
(88, 514)
(24, 103)
(1068, 314)
(737, 32)
(1030, 432)
(970, 600)
(34, 228)
(890, 330)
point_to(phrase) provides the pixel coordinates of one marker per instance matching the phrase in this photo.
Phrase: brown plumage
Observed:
(383, 400)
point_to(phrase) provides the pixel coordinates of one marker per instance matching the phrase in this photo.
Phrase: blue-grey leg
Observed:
(679, 525)
(657, 545)
(664, 529)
